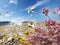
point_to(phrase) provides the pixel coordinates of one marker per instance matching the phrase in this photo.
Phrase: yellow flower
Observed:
(26, 33)
(25, 43)
(35, 30)
(21, 39)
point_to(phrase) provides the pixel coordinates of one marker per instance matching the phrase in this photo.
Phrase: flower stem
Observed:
(48, 17)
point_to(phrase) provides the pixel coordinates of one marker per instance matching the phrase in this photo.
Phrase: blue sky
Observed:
(18, 9)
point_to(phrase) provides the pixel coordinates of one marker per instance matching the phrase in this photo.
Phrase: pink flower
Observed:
(54, 44)
(58, 29)
(52, 37)
(55, 10)
(50, 22)
(45, 11)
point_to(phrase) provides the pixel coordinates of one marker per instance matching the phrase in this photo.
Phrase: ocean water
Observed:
(4, 23)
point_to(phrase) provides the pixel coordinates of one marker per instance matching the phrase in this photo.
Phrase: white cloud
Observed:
(37, 4)
(13, 1)
(18, 20)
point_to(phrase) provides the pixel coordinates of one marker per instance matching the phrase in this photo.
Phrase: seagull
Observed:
(30, 11)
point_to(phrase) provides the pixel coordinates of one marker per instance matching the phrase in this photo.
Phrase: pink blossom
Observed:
(45, 11)
(52, 37)
(56, 10)
(50, 22)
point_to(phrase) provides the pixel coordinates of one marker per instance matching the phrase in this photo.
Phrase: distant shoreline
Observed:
(4, 23)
